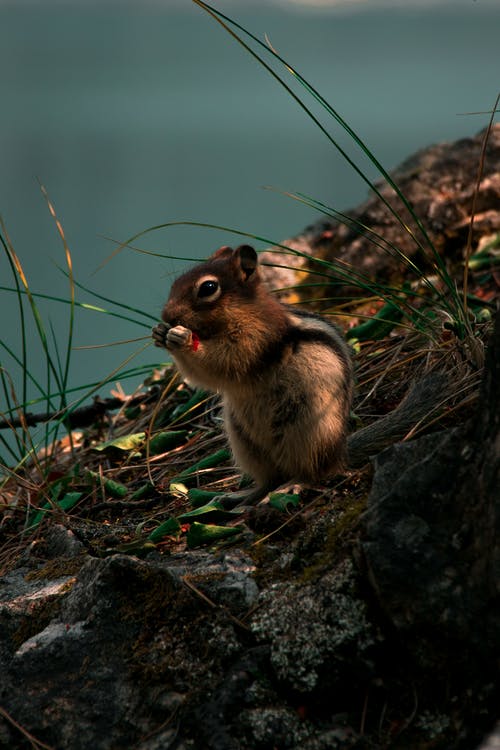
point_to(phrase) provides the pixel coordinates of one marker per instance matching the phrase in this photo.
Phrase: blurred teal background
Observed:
(133, 114)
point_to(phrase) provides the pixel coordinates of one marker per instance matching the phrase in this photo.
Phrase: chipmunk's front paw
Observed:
(179, 338)
(159, 333)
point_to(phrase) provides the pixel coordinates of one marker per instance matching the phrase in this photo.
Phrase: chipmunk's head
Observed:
(212, 297)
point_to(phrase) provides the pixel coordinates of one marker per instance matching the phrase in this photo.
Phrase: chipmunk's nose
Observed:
(171, 315)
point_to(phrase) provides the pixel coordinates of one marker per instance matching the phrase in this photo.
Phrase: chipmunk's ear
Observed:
(223, 252)
(247, 262)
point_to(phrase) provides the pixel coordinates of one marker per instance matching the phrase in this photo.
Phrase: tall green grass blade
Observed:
(223, 21)
(15, 456)
(5, 244)
(121, 305)
(56, 422)
(11, 403)
(136, 372)
(205, 225)
(19, 362)
(84, 305)
(388, 294)
(362, 229)
(64, 370)
(219, 227)
(35, 312)
(12, 408)
(57, 358)
(376, 239)
(122, 245)
(22, 436)
(53, 426)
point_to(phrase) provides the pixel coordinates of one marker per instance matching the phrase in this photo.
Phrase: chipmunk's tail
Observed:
(420, 401)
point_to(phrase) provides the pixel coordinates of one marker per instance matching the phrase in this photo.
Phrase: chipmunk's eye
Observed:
(208, 290)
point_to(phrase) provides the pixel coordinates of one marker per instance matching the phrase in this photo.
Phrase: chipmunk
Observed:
(285, 375)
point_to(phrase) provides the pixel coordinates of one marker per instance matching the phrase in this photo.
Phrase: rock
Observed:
(61, 542)
(27, 604)
(433, 524)
(124, 643)
(318, 632)
(432, 542)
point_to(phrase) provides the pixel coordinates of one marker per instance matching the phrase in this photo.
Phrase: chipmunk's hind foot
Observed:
(244, 498)
(254, 495)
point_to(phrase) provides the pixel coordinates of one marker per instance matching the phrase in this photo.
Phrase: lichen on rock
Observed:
(316, 631)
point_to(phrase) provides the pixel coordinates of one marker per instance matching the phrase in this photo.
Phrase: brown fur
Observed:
(285, 376)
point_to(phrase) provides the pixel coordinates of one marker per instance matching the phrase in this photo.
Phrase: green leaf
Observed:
(377, 327)
(165, 441)
(215, 459)
(138, 547)
(115, 489)
(159, 443)
(170, 527)
(132, 412)
(133, 442)
(200, 534)
(177, 488)
(282, 501)
(483, 315)
(38, 517)
(181, 409)
(213, 511)
(198, 497)
(69, 499)
(479, 261)
(65, 503)
(142, 491)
